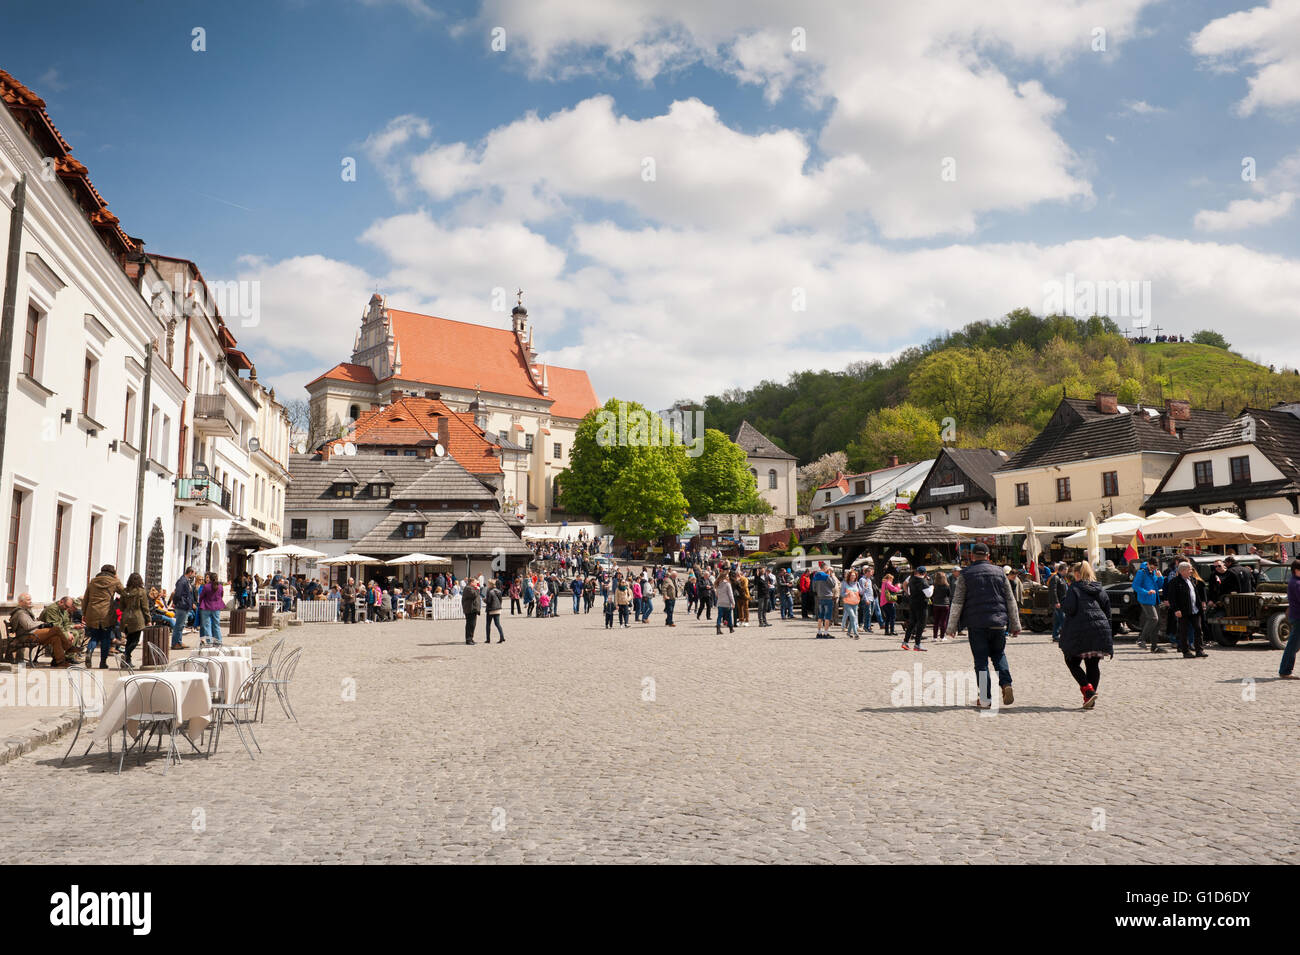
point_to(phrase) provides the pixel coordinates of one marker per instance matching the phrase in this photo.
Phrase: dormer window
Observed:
(412, 529)
(341, 489)
(469, 528)
(379, 490)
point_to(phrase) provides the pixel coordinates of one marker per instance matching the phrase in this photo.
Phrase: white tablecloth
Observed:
(226, 674)
(193, 702)
(245, 652)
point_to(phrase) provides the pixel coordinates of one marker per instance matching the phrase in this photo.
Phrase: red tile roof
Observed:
(571, 389)
(413, 422)
(440, 351)
(346, 371)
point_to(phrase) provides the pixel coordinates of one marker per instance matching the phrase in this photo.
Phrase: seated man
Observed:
(24, 626)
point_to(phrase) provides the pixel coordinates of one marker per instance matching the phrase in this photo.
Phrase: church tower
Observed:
(524, 336)
(375, 345)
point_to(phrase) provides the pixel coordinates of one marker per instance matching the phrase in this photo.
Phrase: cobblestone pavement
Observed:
(573, 743)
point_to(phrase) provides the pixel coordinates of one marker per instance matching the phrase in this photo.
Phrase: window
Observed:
(298, 528)
(771, 479)
(15, 532)
(471, 529)
(390, 453)
(32, 341)
(1109, 483)
(947, 478)
(164, 437)
(153, 434)
(343, 490)
(1022, 495)
(379, 490)
(504, 436)
(340, 529)
(354, 412)
(1240, 468)
(557, 453)
(412, 529)
(852, 521)
(59, 513)
(1062, 489)
(859, 488)
(88, 387)
(528, 442)
(837, 520)
(1203, 473)
(128, 414)
(828, 497)
(410, 453)
(90, 551)
(963, 514)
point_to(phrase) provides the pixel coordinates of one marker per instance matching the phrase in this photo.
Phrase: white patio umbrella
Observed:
(1159, 516)
(417, 559)
(1115, 530)
(350, 560)
(294, 553)
(1281, 527)
(1031, 545)
(1092, 540)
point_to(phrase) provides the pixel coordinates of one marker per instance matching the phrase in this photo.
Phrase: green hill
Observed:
(995, 383)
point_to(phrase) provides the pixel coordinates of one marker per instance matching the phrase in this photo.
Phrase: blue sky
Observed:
(782, 175)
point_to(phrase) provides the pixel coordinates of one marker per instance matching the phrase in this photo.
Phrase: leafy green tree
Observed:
(719, 481)
(646, 500)
(904, 430)
(609, 440)
(1207, 337)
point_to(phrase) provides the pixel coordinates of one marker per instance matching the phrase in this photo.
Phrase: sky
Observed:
(694, 197)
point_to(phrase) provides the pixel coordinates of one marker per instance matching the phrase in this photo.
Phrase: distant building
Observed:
(526, 403)
(384, 507)
(1250, 466)
(847, 501)
(960, 488)
(774, 469)
(1098, 456)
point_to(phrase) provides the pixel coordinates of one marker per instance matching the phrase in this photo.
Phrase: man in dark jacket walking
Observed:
(1187, 600)
(183, 601)
(1056, 588)
(469, 602)
(983, 604)
(1086, 636)
(492, 613)
(916, 607)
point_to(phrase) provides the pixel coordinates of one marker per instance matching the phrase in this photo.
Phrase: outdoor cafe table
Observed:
(226, 674)
(244, 652)
(193, 702)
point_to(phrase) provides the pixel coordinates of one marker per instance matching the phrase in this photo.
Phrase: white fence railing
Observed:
(318, 611)
(444, 608)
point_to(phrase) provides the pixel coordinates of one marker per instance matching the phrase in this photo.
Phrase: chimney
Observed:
(444, 437)
(1107, 402)
(893, 460)
(1178, 409)
(435, 395)
(395, 395)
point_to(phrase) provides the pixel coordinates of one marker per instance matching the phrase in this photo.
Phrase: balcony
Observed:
(199, 492)
(215, 414)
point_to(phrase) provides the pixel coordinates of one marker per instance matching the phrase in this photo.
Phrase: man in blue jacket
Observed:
(1147, 586)
(183, 601)
(982, 602)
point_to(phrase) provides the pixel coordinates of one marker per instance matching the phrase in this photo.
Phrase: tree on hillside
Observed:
(904, 430)
(1207, 337)
(646, 500)
(976, 386)
(603, 450)
(719, 481)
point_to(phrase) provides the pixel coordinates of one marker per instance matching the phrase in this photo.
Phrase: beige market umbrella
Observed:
(1203, 529)
(1280, 527)
(1092, 540)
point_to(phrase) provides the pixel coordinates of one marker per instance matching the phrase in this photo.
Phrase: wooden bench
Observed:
(13, 647)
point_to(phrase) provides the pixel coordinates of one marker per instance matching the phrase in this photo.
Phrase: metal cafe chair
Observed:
(149, 716)
(239, 711)
(75, 676)
(155, 656)
(280, 683)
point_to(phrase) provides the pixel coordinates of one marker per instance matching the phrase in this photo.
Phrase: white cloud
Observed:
(1245, 213)
(379, 148)
(1140, 107)
(1265, 39)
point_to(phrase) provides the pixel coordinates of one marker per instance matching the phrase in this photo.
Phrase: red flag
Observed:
(1130, 553)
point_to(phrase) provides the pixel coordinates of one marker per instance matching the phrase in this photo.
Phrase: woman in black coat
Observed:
(1086, 634)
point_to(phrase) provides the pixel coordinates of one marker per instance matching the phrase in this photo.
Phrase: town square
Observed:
(415, 415)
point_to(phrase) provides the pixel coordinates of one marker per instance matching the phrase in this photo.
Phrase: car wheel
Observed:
(1220, 636)
(1279, 630)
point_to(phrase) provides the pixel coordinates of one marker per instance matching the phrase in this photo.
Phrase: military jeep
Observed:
(1261, 614)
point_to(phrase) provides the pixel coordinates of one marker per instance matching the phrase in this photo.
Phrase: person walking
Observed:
(762, 595)
(622, 599)
(1086, 636)
(469, 603)
(137, 609)
(726, 604)
(870, 605)
(1287, 666)
(99, 612)
(668, 590)
(823, 585)
(889, 592)
(1056, 588)
(492, 613)
(516, 594)
(805, 595)
(917, 601)
(575, 587)
(940, 600)
(983, 604)
(740, 584)
(851, 599)
(784, 585)
(1187, 598)
(212, 600)
(706, 596)
(1147, 585)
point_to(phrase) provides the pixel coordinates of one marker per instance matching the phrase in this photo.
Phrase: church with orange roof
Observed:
(415, 382)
